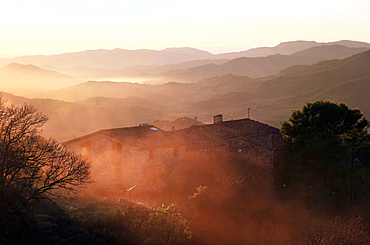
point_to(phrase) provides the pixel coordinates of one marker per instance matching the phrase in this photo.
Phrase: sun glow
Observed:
(38, 27)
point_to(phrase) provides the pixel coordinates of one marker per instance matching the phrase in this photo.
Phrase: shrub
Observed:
(344, 231)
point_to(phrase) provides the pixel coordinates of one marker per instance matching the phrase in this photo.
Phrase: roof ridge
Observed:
(137, 126)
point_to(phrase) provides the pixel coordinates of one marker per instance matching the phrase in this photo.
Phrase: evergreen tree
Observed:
(327, 144)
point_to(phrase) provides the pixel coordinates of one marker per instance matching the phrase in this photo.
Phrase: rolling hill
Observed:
(121, 58)
(27, 79)
(68, 120)
(266, 66)
(346, 80)
(113, 59)
(291, 47)
(320, 72)
(128, 101)
(161, 66)
(318, 76)
(238, 63)
(171, 94)
(90, 89)
(272, 97)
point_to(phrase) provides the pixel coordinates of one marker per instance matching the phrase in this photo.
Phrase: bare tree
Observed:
(32, 166)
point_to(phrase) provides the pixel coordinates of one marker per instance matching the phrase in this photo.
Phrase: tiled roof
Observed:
(204, 136)
(195, 137)
(145, 136)
(198, 137)
(250, 127)
(140, 136)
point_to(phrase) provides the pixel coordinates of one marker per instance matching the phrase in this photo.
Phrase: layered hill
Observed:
(113, 59)
(266, 66)
(236, 63)
(346, 80)
(288, 48)
(240, 65)
(230, 94)
(121, 58)
(158, 67)
(318, 76)
(68, 120)
(128, 101)
(25, 79)
(172, 94)
(323, 74)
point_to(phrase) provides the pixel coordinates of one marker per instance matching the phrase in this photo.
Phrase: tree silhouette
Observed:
(31, 166)
(326, 143)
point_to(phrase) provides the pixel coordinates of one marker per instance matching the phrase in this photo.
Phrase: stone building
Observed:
(237, 135)
(116, 154)
(120, 153)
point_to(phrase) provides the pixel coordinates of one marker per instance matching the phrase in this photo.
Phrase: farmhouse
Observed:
(126, 151)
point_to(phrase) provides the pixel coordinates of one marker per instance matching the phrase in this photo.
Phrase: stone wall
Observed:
(115, 161)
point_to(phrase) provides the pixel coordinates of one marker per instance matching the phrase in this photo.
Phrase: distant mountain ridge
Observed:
(121, 58)
(15, 77)
(113, 59)
(191, 71)
(288, 48)
(275, 86)
(272, 64)
(341, 80)
(320, 75)
(116, 104)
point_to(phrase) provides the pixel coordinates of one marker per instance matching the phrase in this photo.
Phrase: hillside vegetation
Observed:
(318, 194)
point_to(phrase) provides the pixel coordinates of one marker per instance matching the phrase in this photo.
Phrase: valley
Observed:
(271, 84)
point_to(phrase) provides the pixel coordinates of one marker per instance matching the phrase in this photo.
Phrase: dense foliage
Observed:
(224, 197)
(328, 147)
(125, 222)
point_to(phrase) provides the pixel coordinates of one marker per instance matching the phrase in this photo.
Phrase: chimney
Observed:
(270, 141)
(217, 119)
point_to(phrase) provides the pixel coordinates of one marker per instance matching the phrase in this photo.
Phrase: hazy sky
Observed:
(57, 26)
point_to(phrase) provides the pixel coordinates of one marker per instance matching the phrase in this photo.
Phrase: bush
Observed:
(166, 226)
(346, 231)
(134, 224)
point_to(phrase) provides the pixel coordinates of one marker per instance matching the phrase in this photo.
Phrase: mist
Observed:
(225, 192)
(228, 198)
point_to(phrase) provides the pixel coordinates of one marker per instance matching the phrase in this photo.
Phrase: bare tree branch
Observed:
(31, 165)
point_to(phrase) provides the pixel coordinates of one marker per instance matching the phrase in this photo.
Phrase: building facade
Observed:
(120, 154)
